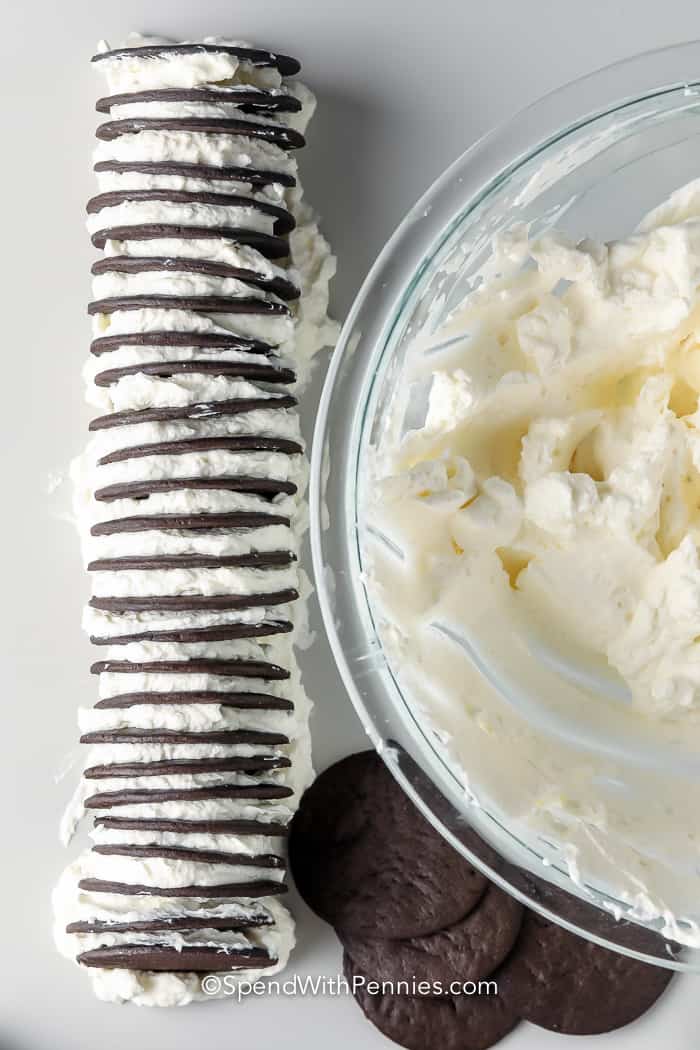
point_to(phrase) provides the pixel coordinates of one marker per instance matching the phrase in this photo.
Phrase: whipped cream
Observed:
(209, 304)
(534, 552)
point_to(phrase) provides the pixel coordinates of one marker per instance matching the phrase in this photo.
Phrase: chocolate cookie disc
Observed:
(206, 522)
(193, 602)
(267, 488)
(276, 134)
(466, 951)
(268, 245)
(224, 698)
(145, 797)
(193, 827)
(450, 1022)
(252, 765)
(208, 304)
(248, 100)
(185, 635)
(208, 340)
(285, 64)
(196, 856)
(581, 913)
(237, 443)
(234, 668)
(229, 737)
(283, 220)
(368, 862)
(194, 958)
(247, 890)
(566, 984)
(251, 176)
(180, 923)
(130, 264)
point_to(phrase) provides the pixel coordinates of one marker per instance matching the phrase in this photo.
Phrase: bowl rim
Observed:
(451, 197)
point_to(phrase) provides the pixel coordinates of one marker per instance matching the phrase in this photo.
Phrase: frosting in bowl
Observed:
(534, 516)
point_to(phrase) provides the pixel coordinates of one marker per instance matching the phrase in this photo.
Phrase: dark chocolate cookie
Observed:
(253, 100)
(450, 1022)
(368, 862)
(587, 916)
(570, 985)
(466, 951)
(195, 958)
(285, 64)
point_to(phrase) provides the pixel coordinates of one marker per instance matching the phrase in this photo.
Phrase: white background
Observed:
(403, 88)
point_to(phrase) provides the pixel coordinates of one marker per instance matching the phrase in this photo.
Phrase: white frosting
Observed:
(277, 330)
(213, 249)
(283, 765)
(225, 108)
(193, 581)
(193, 147)
(215, 463)
(540, 587)
(194, 717)
(138, 212)
(159, 282)
(139, 73)
(141, 392)
(272, 538)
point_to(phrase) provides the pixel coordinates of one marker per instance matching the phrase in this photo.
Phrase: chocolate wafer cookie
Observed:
(466, 951)
(570, 985)
(368, 862)
(247, 56)
(452, 1022)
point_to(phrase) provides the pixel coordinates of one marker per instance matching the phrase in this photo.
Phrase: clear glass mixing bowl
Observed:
(591, 158)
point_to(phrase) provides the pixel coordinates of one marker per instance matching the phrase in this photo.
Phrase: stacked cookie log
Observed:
(208, 302)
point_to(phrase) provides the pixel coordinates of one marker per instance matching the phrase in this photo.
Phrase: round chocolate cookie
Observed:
(567, 984)
(466, 951)
(587, 916)
(452, 1022)
(368, 862)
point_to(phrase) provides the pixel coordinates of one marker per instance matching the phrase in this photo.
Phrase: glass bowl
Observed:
(591, 158)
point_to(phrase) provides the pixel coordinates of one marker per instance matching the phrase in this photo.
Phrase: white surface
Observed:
(401, 92)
